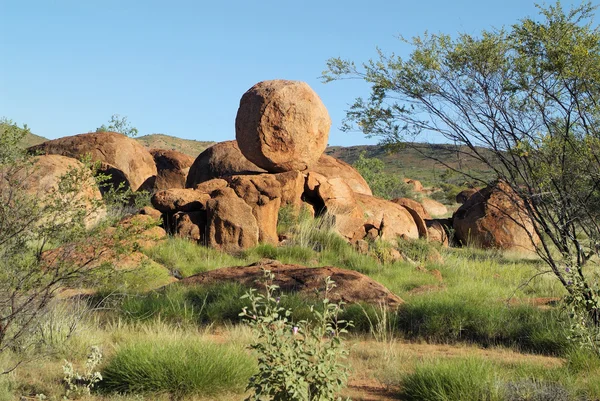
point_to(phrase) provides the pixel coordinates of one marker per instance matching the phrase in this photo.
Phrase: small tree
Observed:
(44, 244)
(525, 101)
(119, 124)
(382, 183)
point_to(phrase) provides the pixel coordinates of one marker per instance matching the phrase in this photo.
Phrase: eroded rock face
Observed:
(231, 225)
(330, 167)
(495, 218)
(351, 286)
(282, 125)
(172, 168)
(263, 194)
(222, 160)
(118, 154)
(43, 177)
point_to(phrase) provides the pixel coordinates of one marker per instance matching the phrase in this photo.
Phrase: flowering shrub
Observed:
(297, 361)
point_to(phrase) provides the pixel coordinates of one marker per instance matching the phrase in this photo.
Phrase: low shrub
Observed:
(448, 380)
(179, 366)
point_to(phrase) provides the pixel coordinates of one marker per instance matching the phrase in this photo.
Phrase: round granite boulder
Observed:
(282, 125)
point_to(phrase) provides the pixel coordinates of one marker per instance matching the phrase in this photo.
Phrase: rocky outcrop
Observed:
(330, 167)
(172, 168)
(42, 179)
(350, 286)
(221, 160)
(122, 157)
(495, 218)
(282, 125)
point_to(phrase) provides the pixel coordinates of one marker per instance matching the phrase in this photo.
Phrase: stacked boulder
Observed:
(235, 189)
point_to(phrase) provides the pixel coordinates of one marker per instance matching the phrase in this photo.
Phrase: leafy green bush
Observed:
(383, 184)
(180, 366)
(296, 360)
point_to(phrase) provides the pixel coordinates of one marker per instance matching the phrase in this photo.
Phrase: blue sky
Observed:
(180, 67)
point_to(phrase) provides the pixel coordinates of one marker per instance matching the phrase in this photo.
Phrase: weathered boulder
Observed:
(282, 125)
(179, 200)
(330, 167)
(117, 154)
(262, 193)
(221, 160)
(231, 225)
(464, 195)
(495, 218)
(42, 180)
(172, 168)
(437, 230)
(350, 286)
(414, 205)
(389, 219)
(433, 207)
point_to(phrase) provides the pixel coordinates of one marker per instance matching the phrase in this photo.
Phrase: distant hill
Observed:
(415, 160)
(188, 146)
(31, 140)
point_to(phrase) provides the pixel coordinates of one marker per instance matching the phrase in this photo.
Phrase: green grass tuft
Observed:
(178, 366)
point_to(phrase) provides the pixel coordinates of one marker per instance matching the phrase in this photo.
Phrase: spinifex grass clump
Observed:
(179, 366)
(298, 361)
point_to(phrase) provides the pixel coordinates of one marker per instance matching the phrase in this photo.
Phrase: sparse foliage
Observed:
(525, 101)
(382, 183)
(296, 360)
(77, 384)
(119, 124)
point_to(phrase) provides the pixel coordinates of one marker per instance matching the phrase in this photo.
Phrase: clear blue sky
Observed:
(180, 67)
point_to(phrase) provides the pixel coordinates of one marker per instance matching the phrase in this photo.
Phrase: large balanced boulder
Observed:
(350, 286)
(282, 125)
(118, 155)
(331, 167)
(172, 168)
(221, 160)
(495, 217)
(42, 180)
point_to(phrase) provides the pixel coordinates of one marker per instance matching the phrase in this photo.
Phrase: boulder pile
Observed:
(235, 189)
